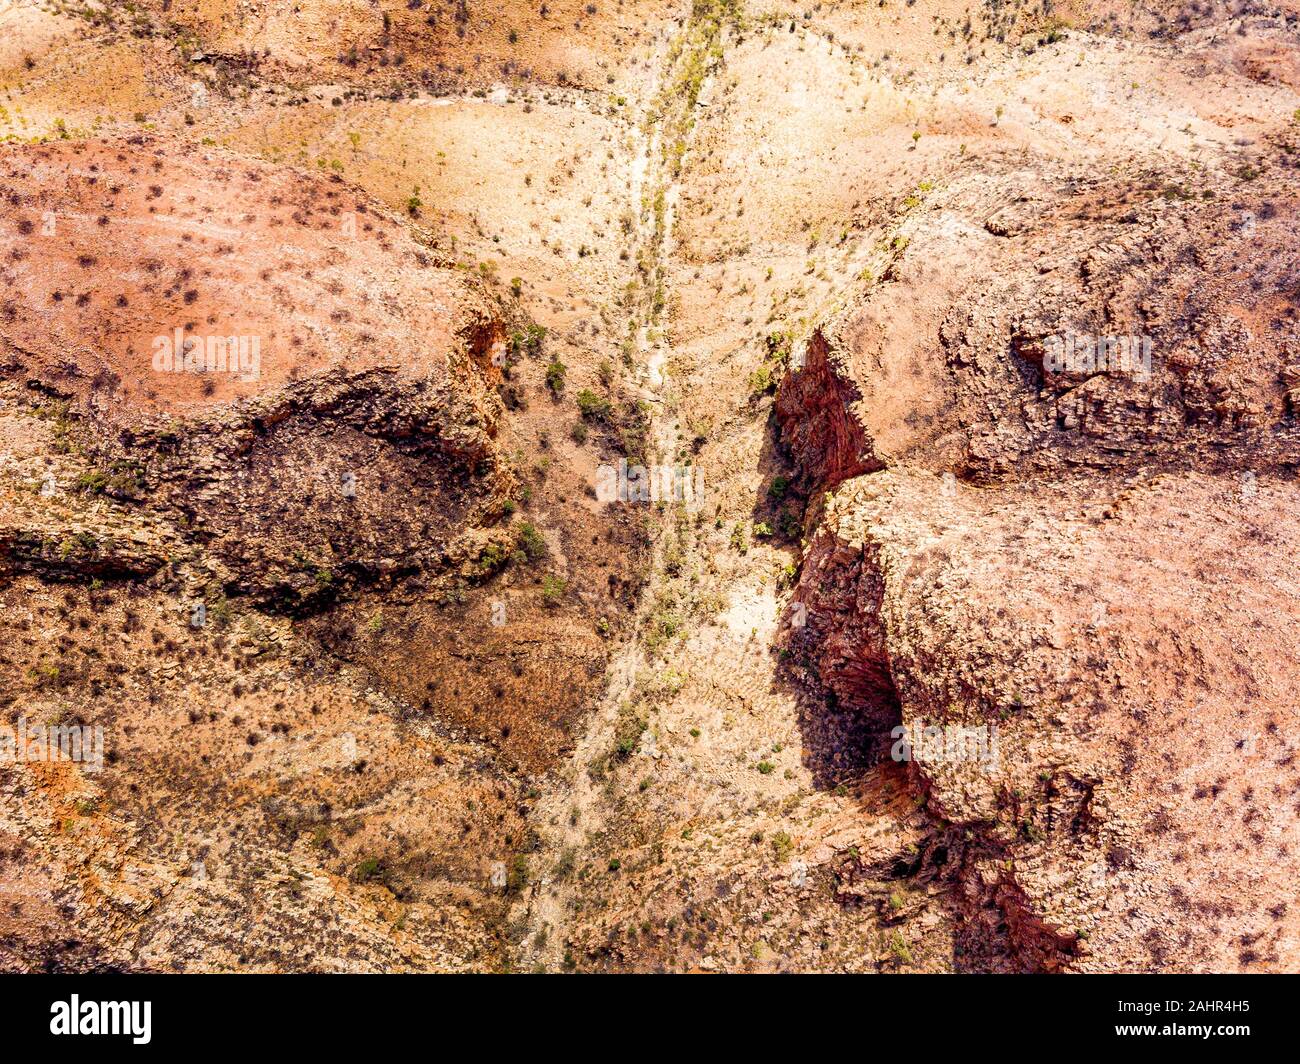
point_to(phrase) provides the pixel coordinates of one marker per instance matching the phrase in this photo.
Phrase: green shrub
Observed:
(898, 947)
(553, 588)
(494, 557)
(94, 481)
(531, 542)
(372, 868)
(739, 538)
(593, 406)
(517, 874)
(555, 376)
(627, 733)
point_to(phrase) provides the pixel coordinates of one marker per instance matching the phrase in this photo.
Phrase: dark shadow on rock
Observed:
(841, 742)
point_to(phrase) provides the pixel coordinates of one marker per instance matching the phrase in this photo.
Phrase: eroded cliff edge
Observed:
(1083, 560)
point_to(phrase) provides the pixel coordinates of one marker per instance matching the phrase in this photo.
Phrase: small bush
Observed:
(531, 543)
(93, 482)
(739, 538)
(555, 375)
(372, 868)
(592, 406)
(627, 733)
(517, 874)
(762, 381)
(553, 588)
(898, 947)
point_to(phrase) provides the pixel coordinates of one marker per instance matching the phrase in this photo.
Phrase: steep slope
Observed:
(291, 578)
(1081, 393)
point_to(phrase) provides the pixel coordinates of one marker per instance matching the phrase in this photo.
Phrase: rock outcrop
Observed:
(1068, 586)
(291, 374)
(1116, 326)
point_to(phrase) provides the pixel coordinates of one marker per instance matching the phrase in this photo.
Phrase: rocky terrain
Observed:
(340, 344)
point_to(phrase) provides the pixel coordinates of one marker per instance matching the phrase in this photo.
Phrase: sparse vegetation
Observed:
(474, 715)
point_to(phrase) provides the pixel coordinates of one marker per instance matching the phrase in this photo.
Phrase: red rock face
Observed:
(959, 374)
(816, 411)
(261, 351)
(1072, 621)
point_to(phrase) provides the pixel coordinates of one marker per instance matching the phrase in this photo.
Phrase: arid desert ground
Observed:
(649, 486)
